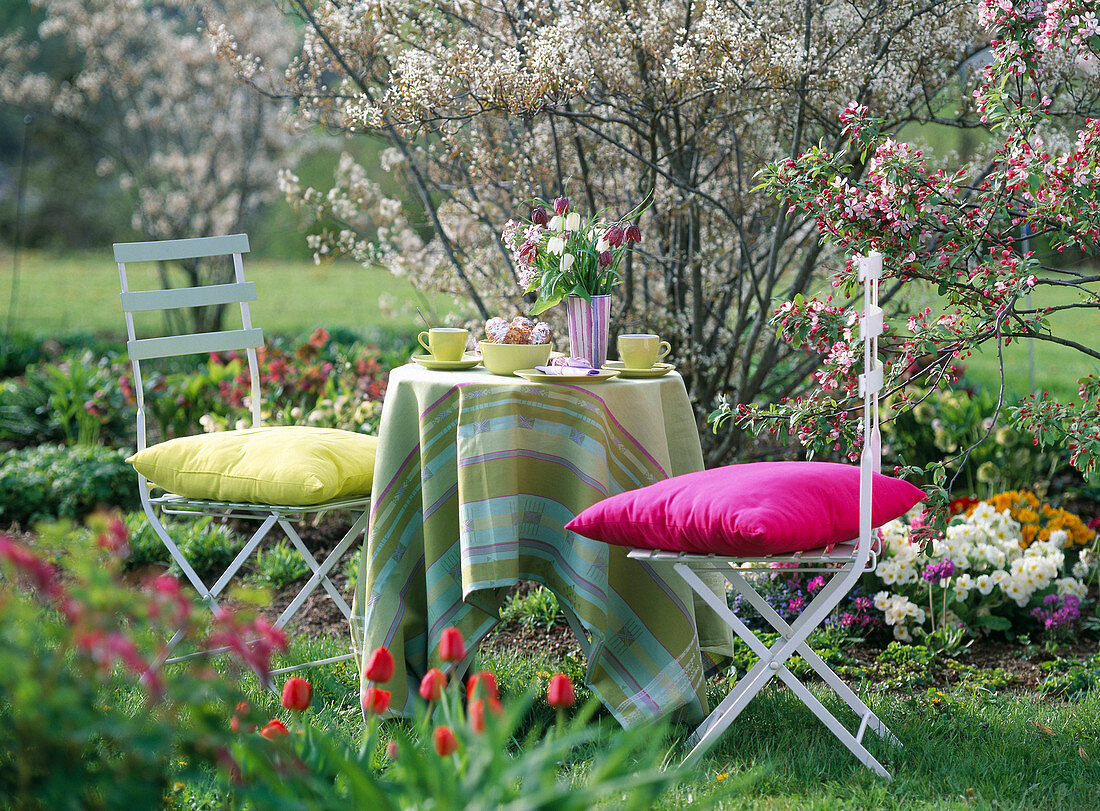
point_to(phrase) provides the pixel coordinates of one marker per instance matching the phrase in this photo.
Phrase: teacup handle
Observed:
(422, 338)
(665, 348)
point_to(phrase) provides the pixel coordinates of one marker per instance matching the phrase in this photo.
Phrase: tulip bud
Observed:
(633, 233)
(375, 700)
(605, 259)
(445, 741)
(477, 715)
(392, 751)
(431, 686)
(560, 692)
(561, 205)
(572, 221)
(614, 236)
(452, 647)
(297, 694)
(485, 682)
(380, 666)
(274, 728)
(539, 216)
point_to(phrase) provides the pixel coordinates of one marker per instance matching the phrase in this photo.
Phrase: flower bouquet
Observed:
(559, 254)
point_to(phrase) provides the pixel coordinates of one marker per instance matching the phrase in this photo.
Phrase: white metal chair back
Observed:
(239, 292)
(249, 339)
(846, 562)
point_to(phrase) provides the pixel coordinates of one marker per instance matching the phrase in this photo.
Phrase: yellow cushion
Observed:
(288, 465)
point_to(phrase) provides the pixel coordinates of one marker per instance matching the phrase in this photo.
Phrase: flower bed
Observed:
(1007, 564)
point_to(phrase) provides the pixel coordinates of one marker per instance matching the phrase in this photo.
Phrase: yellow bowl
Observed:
(504, 359)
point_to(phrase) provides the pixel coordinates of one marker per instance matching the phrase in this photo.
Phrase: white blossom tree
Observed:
(485, 107)
(196, 150)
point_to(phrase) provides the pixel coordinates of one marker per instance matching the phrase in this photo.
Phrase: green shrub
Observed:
(280, 564)
(208, 545)
(50, 481)
(19, 350)
(87, 719)
(946, 422)
(537, 608)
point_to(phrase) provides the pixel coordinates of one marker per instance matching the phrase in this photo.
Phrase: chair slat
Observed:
(144, 300)
(872, 324)
(194, 343)
(171, 249)
(872, 380)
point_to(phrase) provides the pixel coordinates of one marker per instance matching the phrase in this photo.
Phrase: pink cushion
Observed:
(762, 508)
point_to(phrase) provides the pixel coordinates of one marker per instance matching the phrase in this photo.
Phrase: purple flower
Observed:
(561, 205)
(633, 233)
(938, 572)
(614, 236)
(539, 216)
(797, 604)
(604, 259)
(863, 603)
(816, 584)
(527, 253)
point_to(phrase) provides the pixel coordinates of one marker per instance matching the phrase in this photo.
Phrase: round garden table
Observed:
(475, 478)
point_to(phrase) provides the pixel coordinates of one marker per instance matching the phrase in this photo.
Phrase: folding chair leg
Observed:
(868, 718)
(854, 744)
(773, 660)
(320, 571)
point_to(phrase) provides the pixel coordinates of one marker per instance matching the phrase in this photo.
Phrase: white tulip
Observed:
(572, 221)
(557, 223)
(567, 262)
(555, 245)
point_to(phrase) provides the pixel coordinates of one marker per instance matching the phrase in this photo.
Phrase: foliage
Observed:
(963, 231)
(1069, 678)
(52, 481)
(788, 593)
(481, 107)
(997, 568)
(537, 608)
(280, 564)
(472, 754)
(943, 422)
(195, 151)
(73, 400)
(18, 350)
(91, 719)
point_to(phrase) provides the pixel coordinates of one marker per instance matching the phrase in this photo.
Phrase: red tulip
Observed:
(477, 715)
(614, 236)
(605, 259)
(431, 686)
(561, 205)
(380, 666)
(486, 681)
(297, 694)
(539, 216)
(560, 693)
(445, 741)
(274, 728)
(375, 700)
(392, 750)
(452, 647)
(633, 233)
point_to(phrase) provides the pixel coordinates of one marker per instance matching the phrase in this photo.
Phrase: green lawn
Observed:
(58, 295)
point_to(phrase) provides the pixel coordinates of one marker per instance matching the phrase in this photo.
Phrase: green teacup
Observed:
(444, 343)
(641, 351)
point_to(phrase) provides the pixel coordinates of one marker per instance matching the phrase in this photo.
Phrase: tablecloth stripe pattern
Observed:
(473, 489)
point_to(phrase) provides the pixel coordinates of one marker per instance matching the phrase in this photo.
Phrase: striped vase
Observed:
(589, 323)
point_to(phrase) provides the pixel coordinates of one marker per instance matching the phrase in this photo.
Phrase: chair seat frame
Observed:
(248, 338)
(844, 563)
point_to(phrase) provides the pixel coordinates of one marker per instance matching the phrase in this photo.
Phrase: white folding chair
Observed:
(248, 338)
(845, 562)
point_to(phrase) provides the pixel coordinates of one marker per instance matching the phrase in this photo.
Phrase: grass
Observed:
(57, 295)
(960, 748)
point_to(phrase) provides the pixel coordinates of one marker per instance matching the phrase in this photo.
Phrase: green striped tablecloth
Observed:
(476, 476)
